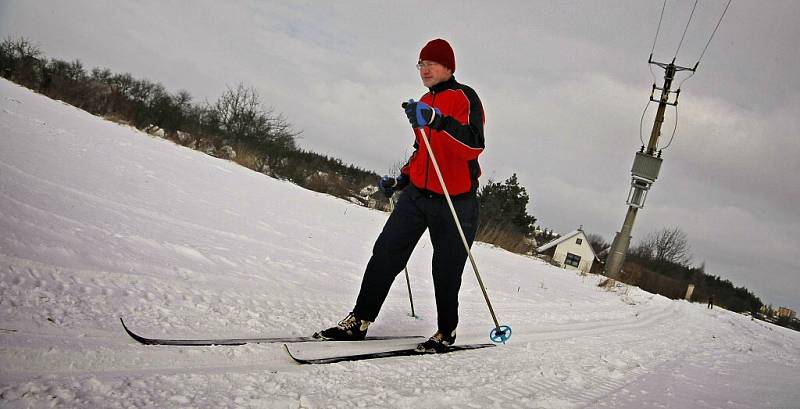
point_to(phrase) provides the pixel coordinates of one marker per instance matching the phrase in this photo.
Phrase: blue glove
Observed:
(388, 185)
(421, 114)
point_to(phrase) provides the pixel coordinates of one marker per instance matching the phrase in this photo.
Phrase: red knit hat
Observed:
(439, 51)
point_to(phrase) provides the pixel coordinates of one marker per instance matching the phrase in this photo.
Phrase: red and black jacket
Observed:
(456, 141)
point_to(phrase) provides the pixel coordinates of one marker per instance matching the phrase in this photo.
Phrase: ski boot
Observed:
(439, 342)
(351, 328)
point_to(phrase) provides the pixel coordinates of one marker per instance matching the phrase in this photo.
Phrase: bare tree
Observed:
(183, 99)
(668, 244)
(19, 49)
(239, 114)
(21, 61)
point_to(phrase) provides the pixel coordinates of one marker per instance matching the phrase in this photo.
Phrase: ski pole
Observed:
(410, 298)
(408, 281)
(499, 333)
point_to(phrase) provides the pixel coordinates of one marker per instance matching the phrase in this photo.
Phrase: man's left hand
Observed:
(388, 185)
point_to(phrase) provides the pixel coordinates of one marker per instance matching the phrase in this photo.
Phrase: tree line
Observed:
(661, 262)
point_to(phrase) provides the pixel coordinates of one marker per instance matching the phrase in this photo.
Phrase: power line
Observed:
(676, 68)
(713, 32)
(674, 128)
(652, 50)
(685, 29)
(694, 70)
(641, 122)
(659, 26)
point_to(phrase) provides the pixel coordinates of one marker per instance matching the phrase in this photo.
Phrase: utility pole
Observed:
(646, 166)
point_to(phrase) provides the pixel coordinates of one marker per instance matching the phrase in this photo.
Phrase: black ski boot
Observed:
(351, 328)
(439, 342)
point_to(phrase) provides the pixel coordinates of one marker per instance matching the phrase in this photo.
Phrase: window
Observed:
(579, 241)
(573, 260)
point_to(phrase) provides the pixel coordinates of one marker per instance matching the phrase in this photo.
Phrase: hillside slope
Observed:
(100, 221)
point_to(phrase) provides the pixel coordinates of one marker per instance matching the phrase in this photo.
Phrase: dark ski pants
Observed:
(415, 212)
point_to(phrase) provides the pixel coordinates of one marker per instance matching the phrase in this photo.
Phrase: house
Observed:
(786, 312)
(572, 251)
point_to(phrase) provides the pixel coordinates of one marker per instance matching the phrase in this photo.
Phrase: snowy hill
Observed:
(100, 221)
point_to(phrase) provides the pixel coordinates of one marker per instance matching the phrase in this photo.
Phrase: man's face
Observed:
(433, 73)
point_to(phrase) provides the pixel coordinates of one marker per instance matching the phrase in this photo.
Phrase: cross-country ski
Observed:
(334, 358)
(242, 341)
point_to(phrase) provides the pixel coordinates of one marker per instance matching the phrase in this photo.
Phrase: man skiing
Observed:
(452, 117)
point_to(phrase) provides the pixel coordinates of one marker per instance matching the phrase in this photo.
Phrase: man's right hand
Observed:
(421, 114)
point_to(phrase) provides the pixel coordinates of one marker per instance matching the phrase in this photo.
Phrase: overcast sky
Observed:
(563, 85)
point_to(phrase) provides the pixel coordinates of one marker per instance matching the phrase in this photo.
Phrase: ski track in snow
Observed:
(100, 221)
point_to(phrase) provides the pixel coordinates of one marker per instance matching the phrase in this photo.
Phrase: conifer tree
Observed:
(505, 204)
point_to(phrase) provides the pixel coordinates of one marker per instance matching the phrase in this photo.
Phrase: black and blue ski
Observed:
(239, 341)
(382, 354)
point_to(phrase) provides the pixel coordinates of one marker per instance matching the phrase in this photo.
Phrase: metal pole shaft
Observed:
(619, 248)
(616, 256)
(458, 225)
(669, 75)
(410, 298)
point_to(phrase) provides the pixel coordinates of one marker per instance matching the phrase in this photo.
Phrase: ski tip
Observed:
(137, 338)
(124, 326)
(128, 331)
(289, 351)
(294, 358)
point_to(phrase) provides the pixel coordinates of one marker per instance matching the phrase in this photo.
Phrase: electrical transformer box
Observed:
(646, 167)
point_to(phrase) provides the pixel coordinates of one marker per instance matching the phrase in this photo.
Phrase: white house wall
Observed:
(571, 246)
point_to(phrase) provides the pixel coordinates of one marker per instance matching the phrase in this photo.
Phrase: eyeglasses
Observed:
(426, 64)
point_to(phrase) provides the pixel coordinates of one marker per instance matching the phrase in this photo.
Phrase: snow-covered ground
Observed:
(99, 221)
